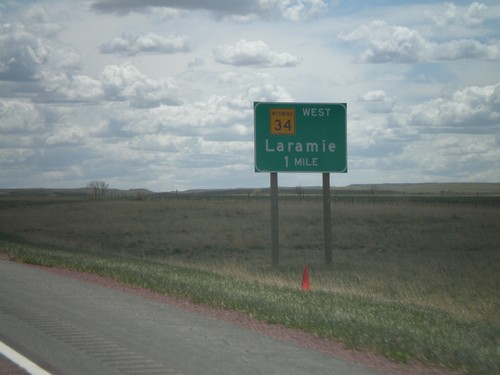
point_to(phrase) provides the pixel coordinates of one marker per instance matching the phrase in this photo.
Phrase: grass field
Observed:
(410, 281)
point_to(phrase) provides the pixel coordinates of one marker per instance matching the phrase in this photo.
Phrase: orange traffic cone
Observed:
(305, 279)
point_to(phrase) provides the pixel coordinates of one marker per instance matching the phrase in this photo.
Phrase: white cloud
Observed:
(26, 56)
(19, 117)
(453, 157)
(269, 92)
(196, 63)
(471, 110)
(255, 53)
(298, 9)
(39, 22)
(116, 83)
(401, 44)
(219, 117)
(389, 44)
(178, 114)
(465, 49)
(22, 54)
(375, 96)
(126, 82)
(146, 43)
(453, 138)
(377, 101)
(287, 9)
(461, 16)
(72, 88)
(69, 135)
(16, 156)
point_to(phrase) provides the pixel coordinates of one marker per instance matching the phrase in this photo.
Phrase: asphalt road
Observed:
(68, 326)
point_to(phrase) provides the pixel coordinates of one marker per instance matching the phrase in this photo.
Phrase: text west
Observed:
(316, 112)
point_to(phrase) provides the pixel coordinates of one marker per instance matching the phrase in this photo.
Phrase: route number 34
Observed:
(282, 121)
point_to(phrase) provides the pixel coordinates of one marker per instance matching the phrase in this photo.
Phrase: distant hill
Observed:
(432, 188)
(54, 192)
(390, 188)
(44, 192)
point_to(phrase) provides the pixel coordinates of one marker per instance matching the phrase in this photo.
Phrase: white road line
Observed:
(21, 361)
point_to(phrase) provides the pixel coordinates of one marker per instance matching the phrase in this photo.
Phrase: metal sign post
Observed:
(275, 254)
(327, 219)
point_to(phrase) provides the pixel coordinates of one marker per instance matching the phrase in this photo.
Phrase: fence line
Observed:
(337, 197)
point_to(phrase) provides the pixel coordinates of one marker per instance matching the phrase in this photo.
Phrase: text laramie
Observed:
(308, 147)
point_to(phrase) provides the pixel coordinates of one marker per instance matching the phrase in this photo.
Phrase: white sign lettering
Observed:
(316, 112)
(309, 147)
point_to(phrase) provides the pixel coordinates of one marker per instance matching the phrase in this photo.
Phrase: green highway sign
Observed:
(300, 137)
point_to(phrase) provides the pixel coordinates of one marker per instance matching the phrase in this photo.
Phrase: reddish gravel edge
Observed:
(308, 340)
(7, 367)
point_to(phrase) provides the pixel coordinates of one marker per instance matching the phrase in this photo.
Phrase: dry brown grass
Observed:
(442, 256)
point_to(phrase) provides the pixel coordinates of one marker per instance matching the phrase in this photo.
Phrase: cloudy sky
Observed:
(159, 93)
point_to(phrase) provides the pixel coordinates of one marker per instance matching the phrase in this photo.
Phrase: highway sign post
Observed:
(300, 137)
